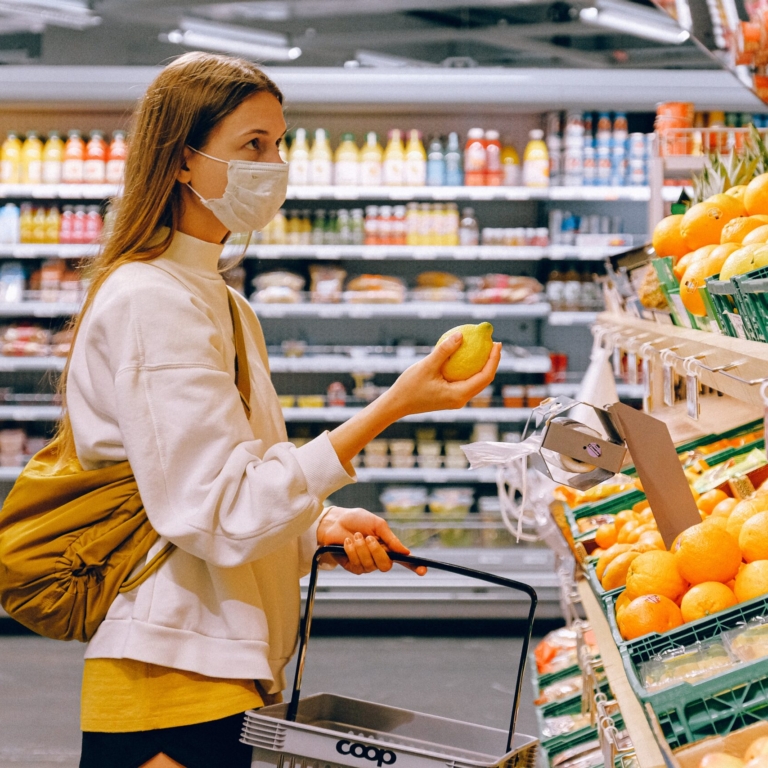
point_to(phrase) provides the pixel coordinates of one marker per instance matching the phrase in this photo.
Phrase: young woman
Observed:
(151, 379)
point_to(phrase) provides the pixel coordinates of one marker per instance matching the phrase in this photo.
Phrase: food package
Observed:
(61, 342)
(574, 498)
(686, 664)
(451, 502)
(404, 501)
(438, 286)
(649, 291)
(375, 289)
(278, 287)
(326, 284)
(563, 724)
(748, 641)
(557, 650)
(25, 341)
(505, 289)
(562, 689)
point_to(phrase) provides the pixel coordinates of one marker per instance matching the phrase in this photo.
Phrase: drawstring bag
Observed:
(71, 539)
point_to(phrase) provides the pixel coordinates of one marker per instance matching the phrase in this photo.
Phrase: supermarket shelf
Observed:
(648, 753)
(468, 414)
(47, 251)
(624, 391)
(572, 318)
(39, 309)
(9, 474)
(672, 194)
(30, 412)
(418, 475)
(14, 364)
(417, 309)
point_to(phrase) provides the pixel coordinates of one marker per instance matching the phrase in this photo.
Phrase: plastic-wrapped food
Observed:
(405, 501)
(748, 641)
(451, 502)
(375, 289)
(437, 294)
(687, 664)
(590, 523)
(562, 689)
(574, 498)
(25, 341)
(279, 279)
(738, 466)
(556, 651)
(277, 294)
(327, 284)
(439, 280)
(505, 289)
(61, 342)
(563, 724)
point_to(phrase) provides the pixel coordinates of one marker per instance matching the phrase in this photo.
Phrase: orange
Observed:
(667, 240)
(706, 553)
(655, 573)
(737, 229)
(698, 271)
(720, 760)
(709, 500)
(680, 267)
(648, 545)
(703, 599)
(747, 258)
(757, 236)
(635, 534)
(742, 512)
(622, 601)
(731, 585)
(646, 516)
(606, 535)
(752, 581)
(757, 748)
(724, 508)
(607, 557)
(615, 575)
(738, 192)
(753, 538)
(703, 223)
(730, 203)
(756, 195)
(649, 613)
(719, 522)
(622, 518)
(651, 537)
(623, 535)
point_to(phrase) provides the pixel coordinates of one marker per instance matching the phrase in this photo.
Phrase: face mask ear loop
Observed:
(202, 199)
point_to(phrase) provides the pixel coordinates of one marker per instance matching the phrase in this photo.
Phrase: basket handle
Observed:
(490, 578)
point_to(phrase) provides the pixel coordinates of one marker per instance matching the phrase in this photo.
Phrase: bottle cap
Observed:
(476, 133)
(347, 136)
(536, 134)
(492, 135)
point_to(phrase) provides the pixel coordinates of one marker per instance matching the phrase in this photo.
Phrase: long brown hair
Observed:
(181, 107)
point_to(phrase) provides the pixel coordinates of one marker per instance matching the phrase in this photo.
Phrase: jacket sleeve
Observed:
(208, 484)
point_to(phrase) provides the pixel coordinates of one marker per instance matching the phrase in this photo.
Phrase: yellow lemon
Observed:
(470, 358)
(747, 258)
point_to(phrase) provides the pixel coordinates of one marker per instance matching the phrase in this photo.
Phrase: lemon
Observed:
(744, 260)
(470, 358)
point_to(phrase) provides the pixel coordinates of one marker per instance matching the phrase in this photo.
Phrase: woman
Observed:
(151, 379)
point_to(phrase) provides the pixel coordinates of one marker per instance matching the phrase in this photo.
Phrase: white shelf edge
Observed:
(572, 318)
(467, 414)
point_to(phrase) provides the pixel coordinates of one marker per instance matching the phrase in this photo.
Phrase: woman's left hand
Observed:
(362, 534)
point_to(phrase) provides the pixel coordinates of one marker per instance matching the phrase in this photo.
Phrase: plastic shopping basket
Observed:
(330, 731)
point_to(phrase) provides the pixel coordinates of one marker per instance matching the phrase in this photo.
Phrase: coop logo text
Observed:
(366, 752)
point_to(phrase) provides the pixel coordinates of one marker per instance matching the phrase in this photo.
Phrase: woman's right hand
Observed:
(422, 387)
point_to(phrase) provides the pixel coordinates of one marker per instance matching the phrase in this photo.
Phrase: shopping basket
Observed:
(330, 731)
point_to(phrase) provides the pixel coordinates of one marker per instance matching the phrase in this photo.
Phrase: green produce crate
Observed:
(670, 287)
(559, 744)
(597, 588)
(752, 301)
(722, 295)
(546, 680)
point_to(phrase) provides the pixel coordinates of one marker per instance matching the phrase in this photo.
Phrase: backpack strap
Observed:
(242, 371)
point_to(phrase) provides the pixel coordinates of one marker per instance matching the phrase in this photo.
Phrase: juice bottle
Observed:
(305, 228)
(38, 225)
(346, 170)
(536, 161)
(65, 225)
(32, 160)
(494, 176)
(454, 171)
(78, 225)
(469, 232)
(412, 224)
(435, 163)
(10, 159)
(118, 152)
(26, 226)
(393, 165)
(321, 160)
(510, 166)
(52, 225)
(292, 228)
(74, 159)
(53, 157)
(95, 165)
(415, 161)
(475, 158)
(298, 159)
(371, 161)
(452, 214)
(93, 224)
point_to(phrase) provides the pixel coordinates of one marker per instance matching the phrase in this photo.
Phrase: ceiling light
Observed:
(650, 25)
(72, 14)
(226, 38)
(385, 60)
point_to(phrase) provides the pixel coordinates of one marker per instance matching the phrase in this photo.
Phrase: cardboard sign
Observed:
(658, 467)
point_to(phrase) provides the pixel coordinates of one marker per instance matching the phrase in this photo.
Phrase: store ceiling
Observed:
(337, 33)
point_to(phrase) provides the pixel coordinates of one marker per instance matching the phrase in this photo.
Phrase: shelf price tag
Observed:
(616, 357)
(668, 377)
(692, 391)
(647, 364)
(632, 369)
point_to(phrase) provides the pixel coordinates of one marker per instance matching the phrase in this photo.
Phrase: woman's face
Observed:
(253, 131)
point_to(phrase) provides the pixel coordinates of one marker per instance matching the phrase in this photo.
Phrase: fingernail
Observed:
(358, 536)
(370, 539)
(458, 336)
(347, 542)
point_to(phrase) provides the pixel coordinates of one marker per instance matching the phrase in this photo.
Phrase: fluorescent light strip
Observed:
(631, 25)
(192, 39)
(66, 15)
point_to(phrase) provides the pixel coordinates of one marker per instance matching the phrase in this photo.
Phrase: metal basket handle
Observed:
(500, 581)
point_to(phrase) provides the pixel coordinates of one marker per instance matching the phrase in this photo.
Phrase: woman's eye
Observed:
(254, 144)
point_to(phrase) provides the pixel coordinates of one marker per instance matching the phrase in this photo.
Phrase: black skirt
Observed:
(215, 744)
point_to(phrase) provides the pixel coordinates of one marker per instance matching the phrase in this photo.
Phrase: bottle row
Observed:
(30, 223)
(56, 161)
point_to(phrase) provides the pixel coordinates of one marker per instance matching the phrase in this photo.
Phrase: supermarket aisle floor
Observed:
(466, 679)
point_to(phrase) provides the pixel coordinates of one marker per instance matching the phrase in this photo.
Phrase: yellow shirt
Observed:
(123, 695)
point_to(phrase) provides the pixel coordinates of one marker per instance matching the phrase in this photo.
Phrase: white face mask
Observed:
(255, 192)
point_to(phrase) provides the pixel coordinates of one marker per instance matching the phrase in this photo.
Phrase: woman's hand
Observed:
(362, 534)
(423, 388)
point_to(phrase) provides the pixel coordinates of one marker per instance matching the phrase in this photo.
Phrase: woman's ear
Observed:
(184, 175)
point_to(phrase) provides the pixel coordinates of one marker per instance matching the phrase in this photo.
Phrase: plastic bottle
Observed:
(572, 290)
(32, 160)
(536, 161)
(305, 228)
(399, 226)
(53, 157)
(415, 161)
(469, 232)
(118, 152)
(10, 159)
(358, 226)
(38, 224)
(298, 159)
(454, 169)
(9, 224)
(371, 159)
(475, 158)
(318, 227)
(555, 290)
(346, 169)
(393, 165)
(510, 166)
(52, 225)
(435, 163)
(74, 159)
(78, 224)
(412, 220)
(26, 225)
(293, 227)
(321, 160)
(452, 213)
(95, 164)
(93, 224)
(494, 176)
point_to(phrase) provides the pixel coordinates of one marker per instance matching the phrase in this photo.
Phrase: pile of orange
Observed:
(711, 566)
(727, 234)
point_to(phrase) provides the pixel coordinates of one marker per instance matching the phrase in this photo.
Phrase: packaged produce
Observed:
(504, 289)
(375, 289)
(749, 641)
(563, 724)
(557, 650)
(404, 501)
(562, 689)
(688, 664)
(451, 502)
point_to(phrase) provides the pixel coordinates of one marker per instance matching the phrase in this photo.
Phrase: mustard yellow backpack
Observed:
(71, 539)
